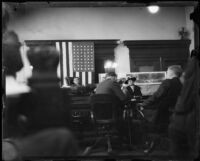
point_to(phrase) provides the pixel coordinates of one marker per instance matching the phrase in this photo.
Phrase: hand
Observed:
(140, 106)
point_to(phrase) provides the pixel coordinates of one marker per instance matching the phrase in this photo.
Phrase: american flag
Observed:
(77, 60)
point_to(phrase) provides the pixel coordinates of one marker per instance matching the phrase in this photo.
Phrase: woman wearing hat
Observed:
(132, 90)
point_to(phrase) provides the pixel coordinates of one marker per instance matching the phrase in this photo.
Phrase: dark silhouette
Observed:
(163, 102)
(48, 104)
(184, 125)
(22, 137)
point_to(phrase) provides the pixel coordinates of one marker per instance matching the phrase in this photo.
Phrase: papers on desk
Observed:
(66, 86)
(133, 99)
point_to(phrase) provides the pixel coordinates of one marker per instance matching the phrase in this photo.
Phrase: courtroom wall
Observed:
(130, 23)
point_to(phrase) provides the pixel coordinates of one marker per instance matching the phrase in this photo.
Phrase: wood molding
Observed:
(159, 53)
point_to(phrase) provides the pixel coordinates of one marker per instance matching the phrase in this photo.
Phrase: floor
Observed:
(122, 151)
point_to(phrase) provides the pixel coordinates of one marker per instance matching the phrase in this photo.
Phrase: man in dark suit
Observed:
(110, 86)
(132, 90)
(76, 88)
(164, 99)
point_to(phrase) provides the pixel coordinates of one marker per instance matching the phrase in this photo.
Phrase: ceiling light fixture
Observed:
(153, 9)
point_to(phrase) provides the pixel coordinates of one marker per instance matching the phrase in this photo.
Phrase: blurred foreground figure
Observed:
(12, 63)
(183, 129)
(21, 136)
(48, 104)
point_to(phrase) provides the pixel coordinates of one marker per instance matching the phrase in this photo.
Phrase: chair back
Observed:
(104, 108)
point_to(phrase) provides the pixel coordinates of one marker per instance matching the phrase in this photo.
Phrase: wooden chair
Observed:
(104, 117)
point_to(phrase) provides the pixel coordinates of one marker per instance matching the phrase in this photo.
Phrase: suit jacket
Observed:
(130, 93)
(110, 87)
(164, 100)
(78, 89)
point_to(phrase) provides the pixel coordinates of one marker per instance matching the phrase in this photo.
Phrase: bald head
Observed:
(174, 71)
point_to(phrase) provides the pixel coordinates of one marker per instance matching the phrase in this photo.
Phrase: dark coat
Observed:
(110, 87)
(46, 106)
(113, 88)
(136, 92)
(164, 100)
(49, 103)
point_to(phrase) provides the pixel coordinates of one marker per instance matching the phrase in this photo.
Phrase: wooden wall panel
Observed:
(157, 53)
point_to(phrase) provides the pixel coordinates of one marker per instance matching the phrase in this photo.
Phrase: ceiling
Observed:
(127, 3)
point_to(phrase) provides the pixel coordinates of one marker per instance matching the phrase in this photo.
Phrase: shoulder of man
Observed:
(166, 82)
(115, 84)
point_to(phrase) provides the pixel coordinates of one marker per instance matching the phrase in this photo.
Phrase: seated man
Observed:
(69, 81)
(132, 90)
(76, 87)
(110, 86)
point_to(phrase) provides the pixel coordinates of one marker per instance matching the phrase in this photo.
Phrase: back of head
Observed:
(174, 71)
(43, 58)
(111, 74)
(12, 60)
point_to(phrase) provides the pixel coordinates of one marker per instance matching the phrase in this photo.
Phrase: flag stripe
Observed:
(65, 67)
(61, 62)
(83, 78)
(89, 77)
(86, 77)
(77, 74)
(80, 76)
(74, 74)
(70, 59)
(67, 51)
(67, 59)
